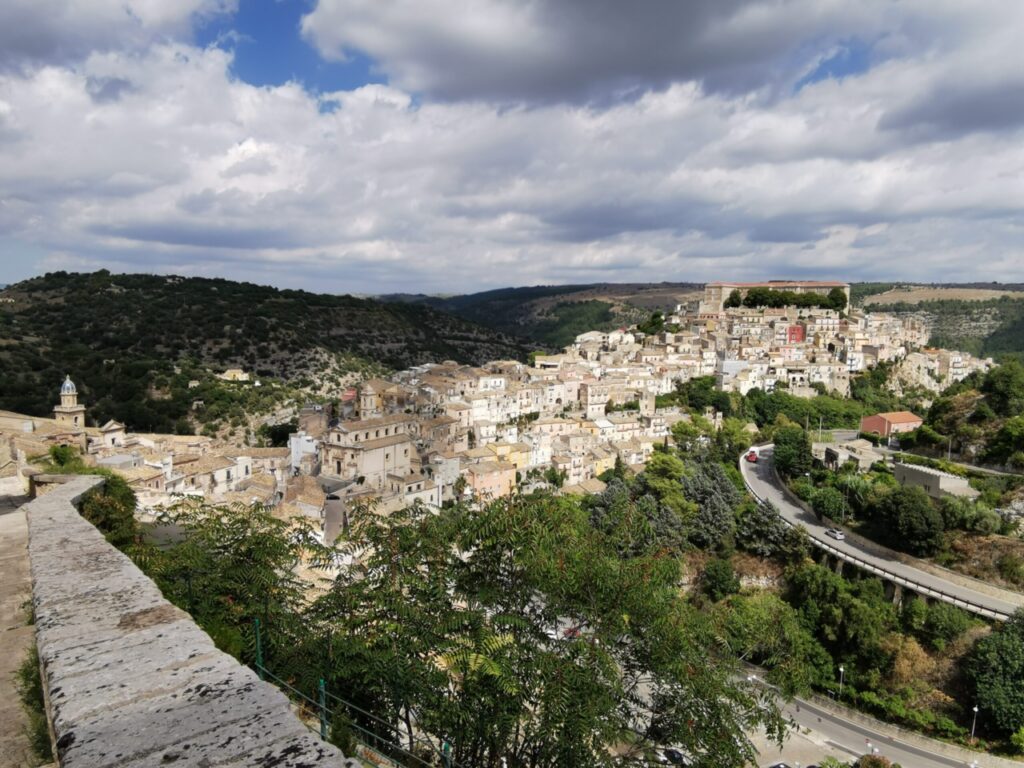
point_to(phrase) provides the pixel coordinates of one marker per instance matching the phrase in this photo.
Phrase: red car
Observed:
(752, 457)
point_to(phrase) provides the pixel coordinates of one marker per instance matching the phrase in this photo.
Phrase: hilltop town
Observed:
(443, 430)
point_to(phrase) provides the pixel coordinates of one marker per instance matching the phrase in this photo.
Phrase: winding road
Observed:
(851, 739)
(984, 600)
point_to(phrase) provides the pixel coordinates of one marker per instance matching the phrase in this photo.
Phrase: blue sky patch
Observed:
(269, 50)
(852, 58)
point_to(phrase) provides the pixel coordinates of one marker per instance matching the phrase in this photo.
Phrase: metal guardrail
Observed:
(917, 587)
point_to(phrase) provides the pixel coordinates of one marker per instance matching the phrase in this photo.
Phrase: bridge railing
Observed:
(847, 557)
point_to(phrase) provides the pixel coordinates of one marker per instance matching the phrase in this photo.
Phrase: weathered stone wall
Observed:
(132, 681)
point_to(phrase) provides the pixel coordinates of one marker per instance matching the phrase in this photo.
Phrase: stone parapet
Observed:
(131, 680)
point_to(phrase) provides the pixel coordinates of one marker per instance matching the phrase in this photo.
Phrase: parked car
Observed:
(835, 533)
(752, 457)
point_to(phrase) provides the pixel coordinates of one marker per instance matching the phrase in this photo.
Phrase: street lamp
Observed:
(974, 722)
(842, 674)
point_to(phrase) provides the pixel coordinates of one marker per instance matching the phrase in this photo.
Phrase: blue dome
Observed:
(68, 387)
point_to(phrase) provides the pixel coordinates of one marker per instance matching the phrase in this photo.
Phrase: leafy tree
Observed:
(553, 476)
(1003, 387)
(759, 528)
(718, 579)
(234, 564)
(849, 618)
(828, 502)
(705, 484)
(1008, 441)
(654, 325)
(792, 452)
(662, 477)
(735, 299)
(837, 300)
(519, 631)
(765, 630)
(994, 669)
(911, 521)
(944, 624)
(689, 434)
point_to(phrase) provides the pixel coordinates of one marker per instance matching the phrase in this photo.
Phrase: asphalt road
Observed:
(852, 740)
(762, 481)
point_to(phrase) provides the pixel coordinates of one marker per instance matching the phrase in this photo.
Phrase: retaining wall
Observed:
(131, 680)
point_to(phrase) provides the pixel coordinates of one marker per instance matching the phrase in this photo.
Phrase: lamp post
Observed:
(974, 722)
(842, 674)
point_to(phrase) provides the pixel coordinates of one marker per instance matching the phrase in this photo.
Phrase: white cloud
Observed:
(57, 31)
(157, 158)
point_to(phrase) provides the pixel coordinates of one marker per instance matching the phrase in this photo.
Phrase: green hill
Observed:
(551, 316)
(122, 336)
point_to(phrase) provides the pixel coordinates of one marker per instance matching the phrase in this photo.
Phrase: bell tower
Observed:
(69, 413)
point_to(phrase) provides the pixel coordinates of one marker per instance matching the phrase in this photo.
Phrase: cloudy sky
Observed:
(457, 145)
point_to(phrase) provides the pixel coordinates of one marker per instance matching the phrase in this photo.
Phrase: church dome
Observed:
(68, 387)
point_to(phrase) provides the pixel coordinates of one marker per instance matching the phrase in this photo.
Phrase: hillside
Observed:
(121, 336)
(551, 316)
(984, 322)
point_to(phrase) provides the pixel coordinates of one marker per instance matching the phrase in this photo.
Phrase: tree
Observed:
(828, 503)
(944, 624)
(994, 669)
(911, 521)
(761, 531)
(554, 477)
(719, 580)
(763, 629)
(1004, 388)
(705, 484)
(836, 300)
(654, 325)
(792, 452)
(735, 299)
(519, 632)
(1008, 441)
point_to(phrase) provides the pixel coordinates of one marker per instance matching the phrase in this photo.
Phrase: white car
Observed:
(835, 533)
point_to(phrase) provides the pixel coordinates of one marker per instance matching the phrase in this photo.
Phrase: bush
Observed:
(719, 580)
(943, 624)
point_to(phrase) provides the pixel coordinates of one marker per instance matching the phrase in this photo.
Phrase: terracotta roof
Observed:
(899, 417)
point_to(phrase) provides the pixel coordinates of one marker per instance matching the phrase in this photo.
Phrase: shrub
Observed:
(29, 685)
(719, 580)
